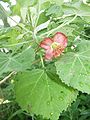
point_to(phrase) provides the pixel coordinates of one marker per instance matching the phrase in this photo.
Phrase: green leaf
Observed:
(69, 9)
(42, 26)
(68, 30)
(74, 68)
(27, 2)
(45, 5)
(80, 8)
(24, 11)
(19, 62)
(84, 10)
(12, 35)
(86, 19)
(8, 38)
(3, 16)
(16, 9)
(42, 18)
(42, 93)
(54, 9)
(58, 2)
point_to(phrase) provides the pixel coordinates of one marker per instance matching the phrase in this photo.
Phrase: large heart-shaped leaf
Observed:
(43, 93)
(74, 68)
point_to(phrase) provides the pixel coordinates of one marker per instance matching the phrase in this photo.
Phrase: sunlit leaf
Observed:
(74, 68)
(43, 93)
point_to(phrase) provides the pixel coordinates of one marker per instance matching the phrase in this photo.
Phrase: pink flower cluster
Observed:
(54, 46)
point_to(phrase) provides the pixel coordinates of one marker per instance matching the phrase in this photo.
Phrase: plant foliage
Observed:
(45, 87)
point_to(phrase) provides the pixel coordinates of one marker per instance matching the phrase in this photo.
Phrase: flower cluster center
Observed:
(54, 45)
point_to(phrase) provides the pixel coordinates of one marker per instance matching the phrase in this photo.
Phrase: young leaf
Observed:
(43, 93)
(74, 68)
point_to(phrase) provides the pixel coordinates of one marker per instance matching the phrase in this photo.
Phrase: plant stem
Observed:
(21, 43)
(42, 61)
(14, 20)
(55, 29)
(64, 16)
(38, 14)
(7, 77)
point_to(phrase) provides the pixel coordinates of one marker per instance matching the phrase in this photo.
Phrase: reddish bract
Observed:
(54, 46)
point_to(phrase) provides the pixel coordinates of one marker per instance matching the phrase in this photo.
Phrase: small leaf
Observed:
(42, 26)
(54, 9)
(74, 68)
(42, 93)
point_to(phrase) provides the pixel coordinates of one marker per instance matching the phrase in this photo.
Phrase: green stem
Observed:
(38, 14)
(21, 43)
(60, 26)
(7, 77)
(42, 61)
(64, 16)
